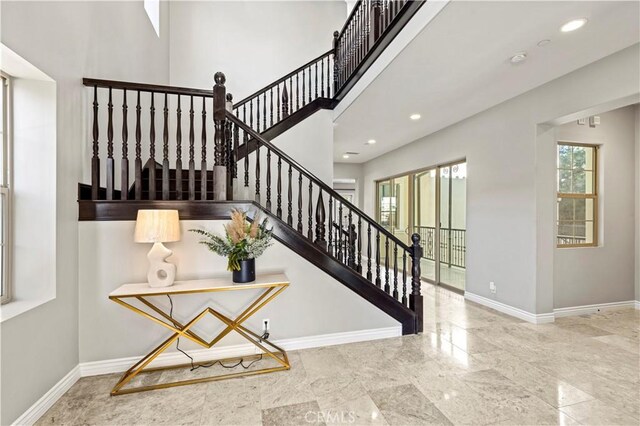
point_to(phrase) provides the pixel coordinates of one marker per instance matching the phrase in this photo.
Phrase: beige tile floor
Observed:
(471, 366)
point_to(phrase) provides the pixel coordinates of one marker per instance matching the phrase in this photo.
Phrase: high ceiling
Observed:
(459, 66)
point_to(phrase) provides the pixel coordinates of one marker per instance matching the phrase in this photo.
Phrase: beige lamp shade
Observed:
(157, 226)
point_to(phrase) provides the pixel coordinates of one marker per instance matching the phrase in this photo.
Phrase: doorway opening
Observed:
(432, 203)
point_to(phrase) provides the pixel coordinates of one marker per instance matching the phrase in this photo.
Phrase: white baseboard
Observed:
(510, 310)
(592, 309)
(41, 406)
(122, 364)
(637, 304)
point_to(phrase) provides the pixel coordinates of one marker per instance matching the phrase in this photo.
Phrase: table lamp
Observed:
(157, 227)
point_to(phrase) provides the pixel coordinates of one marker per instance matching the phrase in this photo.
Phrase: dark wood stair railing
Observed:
(236, 156)
(344, 246)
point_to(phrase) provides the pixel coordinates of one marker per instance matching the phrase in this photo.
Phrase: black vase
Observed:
(247, 272)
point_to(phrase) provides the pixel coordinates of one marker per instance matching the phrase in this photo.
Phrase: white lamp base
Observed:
(161, 273)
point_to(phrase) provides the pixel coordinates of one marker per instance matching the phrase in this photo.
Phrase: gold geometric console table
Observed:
(271, 285)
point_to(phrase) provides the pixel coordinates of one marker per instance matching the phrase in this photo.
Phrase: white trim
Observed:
(510, 310)
(592, 309)
(41, 406)
(122, 364)
(637, 304)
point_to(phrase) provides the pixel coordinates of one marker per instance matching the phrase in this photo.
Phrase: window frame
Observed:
(6, 185)
(593, 196)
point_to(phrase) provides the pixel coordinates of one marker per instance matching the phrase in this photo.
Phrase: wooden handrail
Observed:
(280, 80)
(274, 149)
(142, 87)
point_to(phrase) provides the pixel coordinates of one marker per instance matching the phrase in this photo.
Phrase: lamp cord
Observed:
(195, 366)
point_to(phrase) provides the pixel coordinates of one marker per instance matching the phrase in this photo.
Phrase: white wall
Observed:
(584, 276)
(314, 304)
(511, 178)
(68, 41)
(351, 171)
(212, 36)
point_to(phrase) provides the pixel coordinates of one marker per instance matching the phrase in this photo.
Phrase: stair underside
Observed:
(219, 210)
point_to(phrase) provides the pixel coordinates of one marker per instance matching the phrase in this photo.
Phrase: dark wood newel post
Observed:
(415, 298)
(219, 108)
(320, 227)
(228, 149)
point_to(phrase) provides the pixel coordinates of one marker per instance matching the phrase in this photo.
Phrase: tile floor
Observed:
(471, 366)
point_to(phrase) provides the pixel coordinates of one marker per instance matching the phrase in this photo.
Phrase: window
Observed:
(5, 195)
(577, 188)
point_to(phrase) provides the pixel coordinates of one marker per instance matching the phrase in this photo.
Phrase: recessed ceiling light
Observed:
(415, 116)
(544, 42)
(371, 141)
(345, 155)
(518, 57)
(573, 25)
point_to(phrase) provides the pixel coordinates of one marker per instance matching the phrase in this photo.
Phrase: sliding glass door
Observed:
(432, 203)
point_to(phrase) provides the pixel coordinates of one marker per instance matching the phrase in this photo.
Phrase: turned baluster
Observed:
(297, 92)
(278, 104)
(152, 151)
(124, 163)
(271, 107)
(351, 241)
(369, 243)
(268, 203)
(203, 153)
(138, 162)
(179, 151)
(386, 265)
(340, 233)
(310, 90)
(330, 245)
(299, 227)
(395, 271)
(375, 21)
(336, 61)
(289, 199)
(279, 190)
(310, 221)
(251, 114)
(359, 256)
(110, 160)
(258, 114)
(304, 92)
(95, 159)
(415, 298)
(264, 111)
(321, 78)
(404, 277)
(257, 197)
(165, 151)
(378, 280)
(192, 163)
(328, 82)
(246, 162)
(320, 226)
(285, 101)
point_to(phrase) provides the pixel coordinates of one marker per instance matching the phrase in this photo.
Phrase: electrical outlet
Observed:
(492, 287)
(266, 325)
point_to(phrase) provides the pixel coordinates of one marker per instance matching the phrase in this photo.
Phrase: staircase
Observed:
(241, 168)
